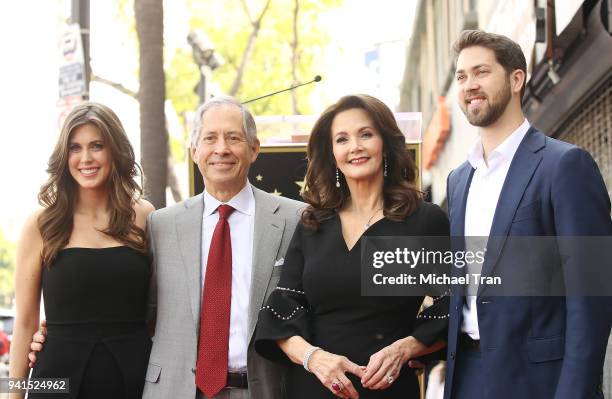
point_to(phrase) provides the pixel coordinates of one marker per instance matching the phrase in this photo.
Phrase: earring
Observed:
(385, 173)
(337, 178)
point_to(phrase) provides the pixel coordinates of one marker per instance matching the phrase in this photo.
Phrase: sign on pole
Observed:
(72, 80)
(72, 66)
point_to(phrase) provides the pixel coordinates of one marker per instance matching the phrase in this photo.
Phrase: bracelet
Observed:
(309, 353)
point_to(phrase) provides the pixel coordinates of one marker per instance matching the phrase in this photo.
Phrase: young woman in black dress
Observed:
(360, 182)
(86, 251)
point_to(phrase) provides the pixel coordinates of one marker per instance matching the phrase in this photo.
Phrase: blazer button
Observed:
(452, 354)
(193, 370)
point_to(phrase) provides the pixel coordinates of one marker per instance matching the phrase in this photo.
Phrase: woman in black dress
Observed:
(86, 251)
(360, 182)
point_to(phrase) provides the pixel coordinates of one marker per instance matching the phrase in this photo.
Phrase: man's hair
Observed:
(248, 122)
(507, 52)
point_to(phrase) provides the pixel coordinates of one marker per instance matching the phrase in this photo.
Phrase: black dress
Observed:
(319, 298)
(95, 304)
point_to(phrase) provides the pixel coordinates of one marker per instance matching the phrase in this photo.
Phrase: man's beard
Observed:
(492, 110)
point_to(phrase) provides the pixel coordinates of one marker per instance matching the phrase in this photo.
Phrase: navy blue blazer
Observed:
(538, 347)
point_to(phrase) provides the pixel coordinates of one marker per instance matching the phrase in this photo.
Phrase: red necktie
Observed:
(211, 367)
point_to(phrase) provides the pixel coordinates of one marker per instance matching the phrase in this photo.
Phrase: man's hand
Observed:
(37, 344)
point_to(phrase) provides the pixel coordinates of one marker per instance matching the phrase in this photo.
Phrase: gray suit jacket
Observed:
(175, 235)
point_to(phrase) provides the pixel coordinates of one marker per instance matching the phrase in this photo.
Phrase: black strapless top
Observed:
(95, 304)
(96, 285)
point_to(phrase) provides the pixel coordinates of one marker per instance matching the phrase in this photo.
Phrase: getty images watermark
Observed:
(497, 266)
(437, 261)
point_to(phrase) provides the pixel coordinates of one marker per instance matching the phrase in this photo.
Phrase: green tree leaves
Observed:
(7, 272)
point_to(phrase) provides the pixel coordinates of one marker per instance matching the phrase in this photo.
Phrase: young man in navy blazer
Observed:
(519, 182)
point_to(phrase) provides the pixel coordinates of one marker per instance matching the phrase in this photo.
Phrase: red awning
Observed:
(436, 134)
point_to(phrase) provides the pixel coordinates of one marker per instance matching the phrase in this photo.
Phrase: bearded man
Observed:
(519, 182)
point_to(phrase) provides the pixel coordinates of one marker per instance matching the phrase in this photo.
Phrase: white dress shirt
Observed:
(241, 222)
(486, 185)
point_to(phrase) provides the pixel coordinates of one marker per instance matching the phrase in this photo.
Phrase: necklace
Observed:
(367, 225)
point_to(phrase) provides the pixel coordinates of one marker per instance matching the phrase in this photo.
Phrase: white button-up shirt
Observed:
(486, 185)
(241, 222)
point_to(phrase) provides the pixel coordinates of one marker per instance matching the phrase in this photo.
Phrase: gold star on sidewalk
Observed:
(276, 192)
(259, 177)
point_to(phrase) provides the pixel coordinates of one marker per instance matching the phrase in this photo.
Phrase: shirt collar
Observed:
(243, 202)
(506, 149)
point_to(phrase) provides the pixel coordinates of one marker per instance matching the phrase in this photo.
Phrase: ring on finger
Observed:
(390, 379)
(336, 385)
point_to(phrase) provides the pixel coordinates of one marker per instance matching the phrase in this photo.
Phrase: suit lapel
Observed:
(523, 166)
(459, 198)
(189, 233)
(458, 201)
(267, 236)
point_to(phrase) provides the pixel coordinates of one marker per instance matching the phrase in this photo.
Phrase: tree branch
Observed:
(249, 47)
(263, 12)
(115, 85)
(245, 7)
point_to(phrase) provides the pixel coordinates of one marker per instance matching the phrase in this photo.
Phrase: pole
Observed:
(80, 15)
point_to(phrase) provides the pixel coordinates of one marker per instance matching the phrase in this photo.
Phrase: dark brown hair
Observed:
(507, 52)
(59, 194)
(400, 194)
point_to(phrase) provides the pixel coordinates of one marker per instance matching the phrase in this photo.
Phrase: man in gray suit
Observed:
(191, 353)
(224, 145)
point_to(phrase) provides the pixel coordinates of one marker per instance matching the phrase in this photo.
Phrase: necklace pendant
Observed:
(367, 224)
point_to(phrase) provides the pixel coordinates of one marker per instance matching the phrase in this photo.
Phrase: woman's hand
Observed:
(385, 365)
(331, 370)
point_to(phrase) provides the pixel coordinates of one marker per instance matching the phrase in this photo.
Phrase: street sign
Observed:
(72, 63)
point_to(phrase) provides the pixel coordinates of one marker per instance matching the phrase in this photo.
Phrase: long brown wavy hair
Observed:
(400, 194)
(59, 194)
